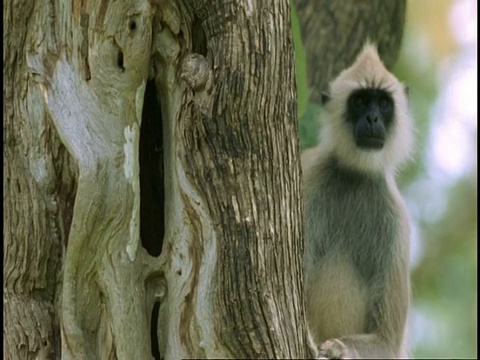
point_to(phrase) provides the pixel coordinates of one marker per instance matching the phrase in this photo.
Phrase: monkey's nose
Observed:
(372, 119)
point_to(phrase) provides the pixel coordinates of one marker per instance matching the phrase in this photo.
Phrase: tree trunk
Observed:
(333, 33)
(152, 181)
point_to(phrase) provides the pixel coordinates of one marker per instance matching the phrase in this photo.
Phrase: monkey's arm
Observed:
(387, 320)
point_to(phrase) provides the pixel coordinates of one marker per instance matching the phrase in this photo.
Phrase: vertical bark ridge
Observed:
(247, 193)
(39, 187)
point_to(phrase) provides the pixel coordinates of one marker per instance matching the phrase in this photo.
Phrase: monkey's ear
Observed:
(406, 88)
(325, 97)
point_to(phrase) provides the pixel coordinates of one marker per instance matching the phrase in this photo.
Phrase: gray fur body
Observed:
(356, 260)
(368, 233)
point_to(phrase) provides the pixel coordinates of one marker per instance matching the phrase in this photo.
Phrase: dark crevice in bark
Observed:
(153, 332)
(132, 25)
(120, 60)
(199, 39)
(152, 193)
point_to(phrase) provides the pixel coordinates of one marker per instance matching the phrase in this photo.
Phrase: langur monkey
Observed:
(357, 229)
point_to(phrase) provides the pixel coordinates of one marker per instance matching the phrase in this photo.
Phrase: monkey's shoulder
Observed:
(329, 177)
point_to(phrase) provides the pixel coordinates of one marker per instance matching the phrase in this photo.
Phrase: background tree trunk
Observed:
(152, 181)
(333, 33)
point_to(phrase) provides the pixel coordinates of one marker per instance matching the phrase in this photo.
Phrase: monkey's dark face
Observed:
(370, 111)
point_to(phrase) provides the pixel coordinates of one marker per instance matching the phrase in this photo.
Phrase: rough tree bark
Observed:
(333, 32)
(39, 186)
(152, 181)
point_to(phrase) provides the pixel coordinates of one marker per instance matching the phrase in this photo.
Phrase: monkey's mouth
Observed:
(369, 143)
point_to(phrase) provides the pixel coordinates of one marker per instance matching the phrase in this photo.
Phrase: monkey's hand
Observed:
(335, 349)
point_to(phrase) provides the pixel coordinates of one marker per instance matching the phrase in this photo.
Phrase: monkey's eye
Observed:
(384, 103)
(358, 101)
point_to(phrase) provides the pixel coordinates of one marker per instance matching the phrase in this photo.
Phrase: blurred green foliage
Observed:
(307, 112)
(444, 281)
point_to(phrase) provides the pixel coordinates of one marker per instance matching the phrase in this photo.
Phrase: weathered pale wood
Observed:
(333, 32)
(95, 99)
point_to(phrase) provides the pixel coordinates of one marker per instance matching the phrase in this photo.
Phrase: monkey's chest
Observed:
(357, 220)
